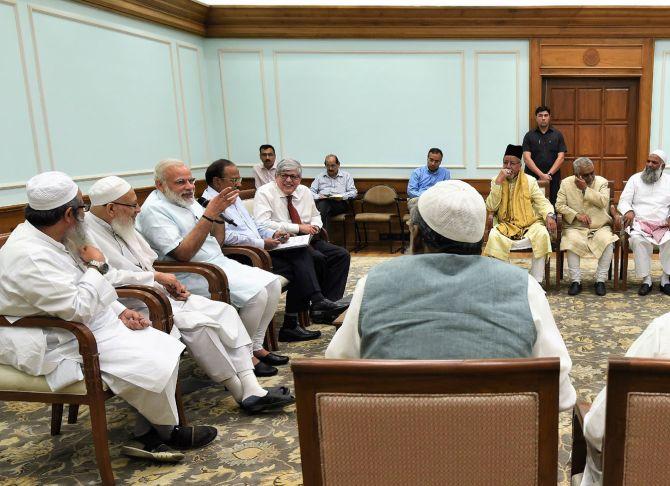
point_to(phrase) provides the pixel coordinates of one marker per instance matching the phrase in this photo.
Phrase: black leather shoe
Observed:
(272, 401)
(262, 369)
(575, 288)
(298, 333)
(273, 359)
(644, 289)
(600, 288)
(326, 311)
(665, 288)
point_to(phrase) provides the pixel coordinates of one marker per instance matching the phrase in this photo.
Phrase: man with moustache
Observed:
(332, 189)
(212, 331)
(39, 276)
(265, 171)
(645, 205)
(178, 228)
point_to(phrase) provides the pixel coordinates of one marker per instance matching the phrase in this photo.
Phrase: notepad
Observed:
(294, 242)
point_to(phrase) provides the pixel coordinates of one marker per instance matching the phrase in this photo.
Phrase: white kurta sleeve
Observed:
(160, 231)
(346, 343)
(119, 278)
(117, 307)
(626, 197)
(549, 342)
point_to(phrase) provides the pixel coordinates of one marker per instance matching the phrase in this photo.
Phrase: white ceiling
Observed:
(458, 3)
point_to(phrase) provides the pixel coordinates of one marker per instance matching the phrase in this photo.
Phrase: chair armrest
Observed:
(215, 276)
(489, 226)
(259, 257)
(578, 462)
(617, 225)
(559, 228)
(160, 309)
(324, 234)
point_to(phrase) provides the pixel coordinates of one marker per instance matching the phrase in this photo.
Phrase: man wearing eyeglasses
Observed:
(288, 206)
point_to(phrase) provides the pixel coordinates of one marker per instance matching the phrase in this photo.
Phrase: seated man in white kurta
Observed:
(212, 331)
(583, 200)
(178, 228)
(446, 289)
(653, 343)
(524, 215)
(38, 276)
(645, 205)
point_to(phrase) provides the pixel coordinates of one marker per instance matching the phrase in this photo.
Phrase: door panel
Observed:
(597, 117)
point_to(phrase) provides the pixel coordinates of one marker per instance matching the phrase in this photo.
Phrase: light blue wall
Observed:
(92, 93)
(660, 102)
(379, 105)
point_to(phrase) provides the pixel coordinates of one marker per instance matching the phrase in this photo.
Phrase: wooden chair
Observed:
(396, 422)
(616, 229)
(380, 197)
(636, 442)
(555, 238)
(342, 218)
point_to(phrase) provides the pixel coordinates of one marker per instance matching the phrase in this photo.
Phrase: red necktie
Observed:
(292, 211)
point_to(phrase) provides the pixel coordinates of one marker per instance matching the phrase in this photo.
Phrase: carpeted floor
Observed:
(264, 449)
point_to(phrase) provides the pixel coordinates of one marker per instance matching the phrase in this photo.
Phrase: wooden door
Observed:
(597, 117)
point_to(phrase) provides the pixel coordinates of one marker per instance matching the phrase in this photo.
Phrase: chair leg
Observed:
(559, 268)
(547, 269)
(56, 417)
(390, 239)
(303, 318)
(180, 405)
(344, 233)
(615, 263)
(365, 231)
(268, 342)
(624, 267)
(72, 413)
(99, 430)
(357, 237)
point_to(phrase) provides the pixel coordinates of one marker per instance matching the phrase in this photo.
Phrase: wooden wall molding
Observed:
(333, 22)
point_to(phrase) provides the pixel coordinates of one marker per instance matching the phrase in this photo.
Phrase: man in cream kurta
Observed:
(533, 235)
(39, 276)
(654, 342)
(212, 331)
(583, 200)
(645, 205)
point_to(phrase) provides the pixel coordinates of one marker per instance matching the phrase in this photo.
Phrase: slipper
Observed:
(279, 390)
(191, 437)
(272, 401)
(150, 447)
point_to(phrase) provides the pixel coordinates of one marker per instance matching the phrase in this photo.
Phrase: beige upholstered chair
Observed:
(394, 422)
(380, 197)
(636, 446)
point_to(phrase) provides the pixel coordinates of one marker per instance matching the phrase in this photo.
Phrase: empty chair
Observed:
(380, 197)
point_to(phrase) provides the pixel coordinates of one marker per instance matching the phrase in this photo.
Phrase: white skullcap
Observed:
(455, 210)
(108, 189)
(661, 154)
(50, 190)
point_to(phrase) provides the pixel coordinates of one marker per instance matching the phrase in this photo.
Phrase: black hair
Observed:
(435, 150)
(266, 146)
(440, 244)
(337, 160)
(216, 169)
(541, 108)
(42, 218)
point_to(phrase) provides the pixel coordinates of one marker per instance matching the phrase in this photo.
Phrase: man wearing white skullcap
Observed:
(445, 288)
(645, 205)
(212, 331)
(38, 276)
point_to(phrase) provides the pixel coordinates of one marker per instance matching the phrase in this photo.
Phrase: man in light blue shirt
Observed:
(331, 189)
(427, 176)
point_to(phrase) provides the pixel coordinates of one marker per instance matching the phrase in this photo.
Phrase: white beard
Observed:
(125, 229)
(76, 238)
(175, 198)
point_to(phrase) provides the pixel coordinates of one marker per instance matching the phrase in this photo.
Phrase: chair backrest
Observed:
(247, 193)
(3, 239)
(637, 427)
(380, 195)
(428, 422)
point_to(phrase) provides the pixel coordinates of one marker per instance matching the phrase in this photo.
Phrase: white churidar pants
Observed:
(601, 271)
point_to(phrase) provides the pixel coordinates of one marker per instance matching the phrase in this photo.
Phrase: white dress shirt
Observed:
(262, 175)
(650, 202)
(271, 208)
(38, 276)
(346, 344)
(654, 342)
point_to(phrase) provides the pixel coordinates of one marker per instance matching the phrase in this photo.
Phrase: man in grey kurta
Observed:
(445, 301)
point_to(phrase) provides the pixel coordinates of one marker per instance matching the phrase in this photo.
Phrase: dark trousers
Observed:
(331, 263)
(554, 184)
(330, 207)
(297, 266)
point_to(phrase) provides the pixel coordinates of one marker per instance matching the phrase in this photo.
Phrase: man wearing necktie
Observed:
(288, 206)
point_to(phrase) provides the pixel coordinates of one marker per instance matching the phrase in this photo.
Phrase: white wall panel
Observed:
(193, 101)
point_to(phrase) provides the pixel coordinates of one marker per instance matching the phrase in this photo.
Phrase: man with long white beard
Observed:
(39, 276)
(212, 331)
(178, 228)
(645, 205)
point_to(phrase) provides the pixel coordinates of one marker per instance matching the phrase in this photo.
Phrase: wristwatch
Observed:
(101, 267)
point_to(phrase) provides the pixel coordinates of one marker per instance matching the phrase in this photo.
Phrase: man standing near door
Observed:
(544, 151)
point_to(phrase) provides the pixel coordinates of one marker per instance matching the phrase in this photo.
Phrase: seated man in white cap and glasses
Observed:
(38, 276)
(445, 288)
(212, 331)
(645, 205)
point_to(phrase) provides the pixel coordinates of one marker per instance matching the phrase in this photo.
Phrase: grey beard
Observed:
(649, 176)
(125, 229)
(77, 237)
(175, 198)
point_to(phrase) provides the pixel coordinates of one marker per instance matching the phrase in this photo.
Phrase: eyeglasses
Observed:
(86, 207)
(134, 206)
(286, 177)
(231, 179)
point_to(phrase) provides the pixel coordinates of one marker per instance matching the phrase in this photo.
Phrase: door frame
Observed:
(599, 58)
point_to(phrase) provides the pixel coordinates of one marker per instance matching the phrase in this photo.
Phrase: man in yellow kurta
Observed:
(583, 200)
(521, 211)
